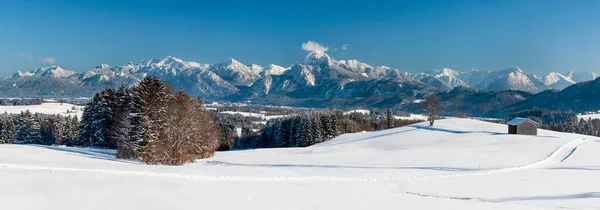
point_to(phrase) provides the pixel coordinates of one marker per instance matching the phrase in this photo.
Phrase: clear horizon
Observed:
(537, 36)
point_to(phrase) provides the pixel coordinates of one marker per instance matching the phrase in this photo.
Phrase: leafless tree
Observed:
(432, 108)
(191, 133)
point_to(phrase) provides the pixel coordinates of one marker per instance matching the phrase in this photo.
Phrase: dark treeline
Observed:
(20, 101)
(239, 121)
(30, 128)
(150, 123)
(310, 128)
(560, 121)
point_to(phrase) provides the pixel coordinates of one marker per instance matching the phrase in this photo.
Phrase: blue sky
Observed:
(538, 36)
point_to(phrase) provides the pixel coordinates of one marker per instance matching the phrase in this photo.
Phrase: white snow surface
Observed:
(361, 111)
(455, 164)
(252, 114)
(588, 116)
(412, 117)
(45, 108)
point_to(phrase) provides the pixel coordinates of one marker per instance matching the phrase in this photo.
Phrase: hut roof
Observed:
(519, 120)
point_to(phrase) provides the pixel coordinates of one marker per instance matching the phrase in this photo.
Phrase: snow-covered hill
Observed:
(456, 164)
(46, 108)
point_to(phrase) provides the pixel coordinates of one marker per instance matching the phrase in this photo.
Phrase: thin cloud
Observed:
(26, 56)
(48, 60)
(345, 47)
(311, 46)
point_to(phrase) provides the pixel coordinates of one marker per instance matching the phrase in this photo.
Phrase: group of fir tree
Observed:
(294, 131)
(150, 123)
(30, 128)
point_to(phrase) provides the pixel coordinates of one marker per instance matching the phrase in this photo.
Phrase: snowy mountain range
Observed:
(316, 75)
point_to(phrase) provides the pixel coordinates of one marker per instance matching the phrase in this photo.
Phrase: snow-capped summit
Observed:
(554, 77)
(57, 71)
(582, 76)
(51, 71)
(170, 62)
(235, 72)
(103, 66)
(22, 74)
(273, 69)
(444, 79)
(256, 68)
(316, 58)
(451, 77)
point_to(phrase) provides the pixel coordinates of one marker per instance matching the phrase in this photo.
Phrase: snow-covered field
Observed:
(588, 116)
(361, 111)
(251, 114)
(412, 117)
(46, 108)
(456, 164)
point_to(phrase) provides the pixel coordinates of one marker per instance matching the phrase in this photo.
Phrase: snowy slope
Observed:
(588, 116)
(45, 108)
(456, 164)
(251, 114)
(361, 111)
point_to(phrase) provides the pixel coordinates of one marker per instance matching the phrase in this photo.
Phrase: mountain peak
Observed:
(316, 58)
(449, 72)
(103, 66)
(273, 69)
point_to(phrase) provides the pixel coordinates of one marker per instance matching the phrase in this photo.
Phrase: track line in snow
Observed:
(559, 155)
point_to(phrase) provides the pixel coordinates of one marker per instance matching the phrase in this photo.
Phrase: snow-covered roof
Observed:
(519, 120)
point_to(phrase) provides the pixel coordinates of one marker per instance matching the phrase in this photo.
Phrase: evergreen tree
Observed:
(147, 116)
(390, 119)
(27, 129)
(4, 137)
(228, 136)
(47, 138)
(119, 130)
(85, 126)
(97, 117)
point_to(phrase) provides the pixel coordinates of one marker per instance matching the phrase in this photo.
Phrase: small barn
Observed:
(524, 126)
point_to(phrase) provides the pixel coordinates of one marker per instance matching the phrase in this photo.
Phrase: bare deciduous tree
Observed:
(191, 133)
(432, 108)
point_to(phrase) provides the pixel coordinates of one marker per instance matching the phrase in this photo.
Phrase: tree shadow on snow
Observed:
(100, 154)
(340, 166)
(455, 131)
(549, 197)
(467, 132)
(575, 168)
(586, 195)
(367, 138)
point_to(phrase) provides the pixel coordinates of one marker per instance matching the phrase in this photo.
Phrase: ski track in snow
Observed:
(562, 153)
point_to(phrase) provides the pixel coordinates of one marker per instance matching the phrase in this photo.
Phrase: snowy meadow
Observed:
(456, 164)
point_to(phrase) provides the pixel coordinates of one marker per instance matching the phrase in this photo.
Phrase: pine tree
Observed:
(97, 117)
(390, 119)
(103, 119)
(85, 126)
(10, 128)
(58, 129)
(228, 136)
(47, 138)
(27, 129)
(148, 114)
(119, 130)
(4, 138)
(70, 130)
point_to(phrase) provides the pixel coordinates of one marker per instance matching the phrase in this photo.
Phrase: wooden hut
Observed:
(524, 126)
